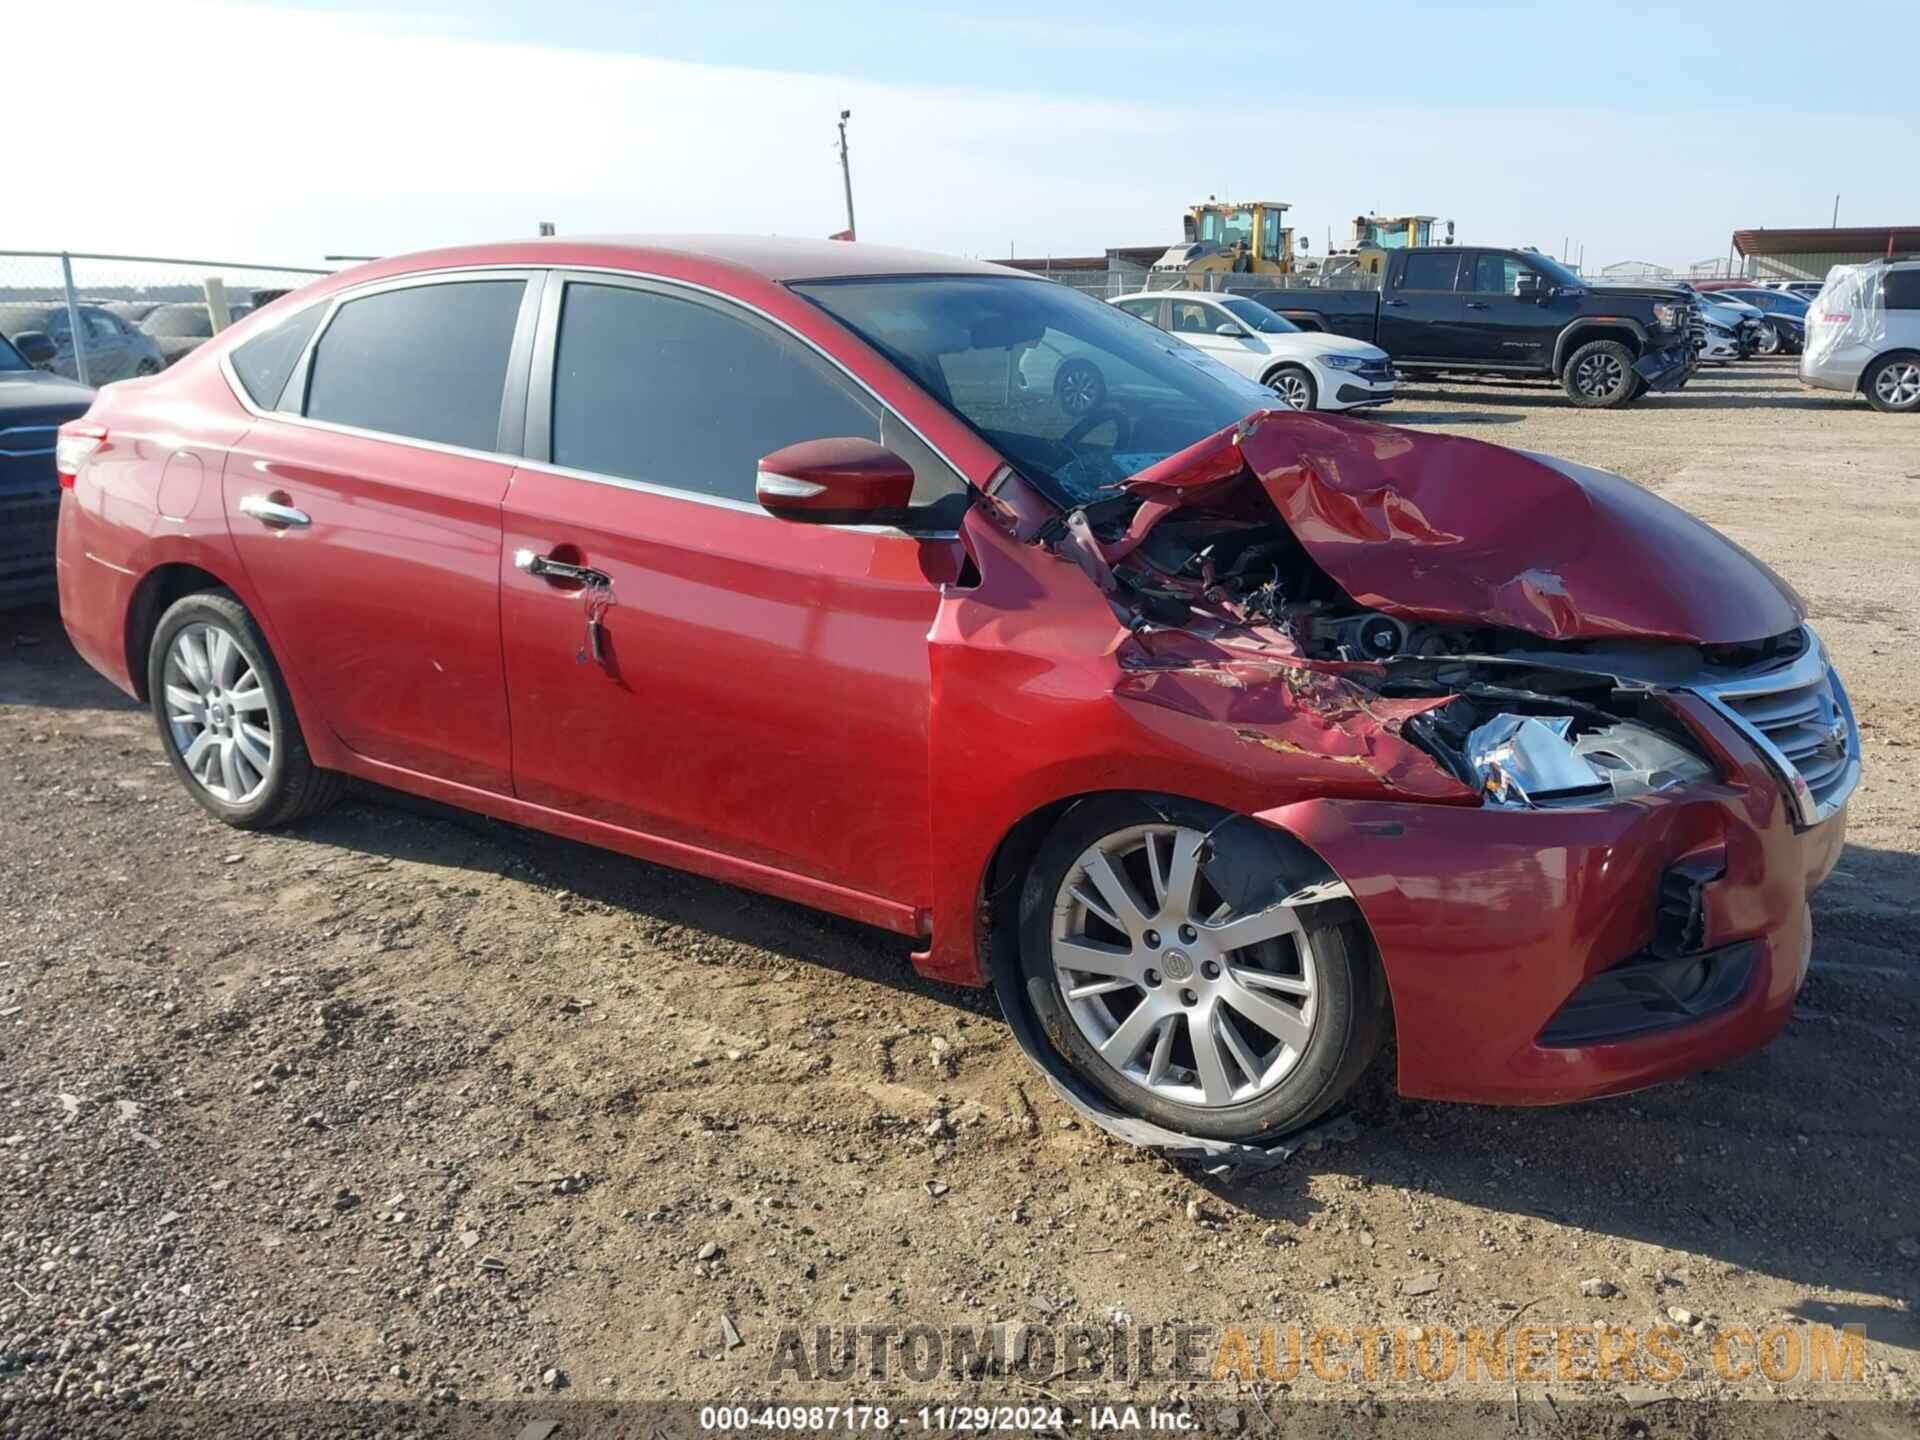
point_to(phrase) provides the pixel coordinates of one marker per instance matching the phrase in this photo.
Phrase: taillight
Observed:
(74, 447)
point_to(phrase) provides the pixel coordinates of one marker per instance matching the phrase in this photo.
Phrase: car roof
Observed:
(774, 258)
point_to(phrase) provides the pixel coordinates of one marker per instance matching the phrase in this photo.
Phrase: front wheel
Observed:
(1599, 375)
(1079, 388)
(225, 720)
(1768, 342)
(1220, 1015)
(1295, 386)
(1893, 384)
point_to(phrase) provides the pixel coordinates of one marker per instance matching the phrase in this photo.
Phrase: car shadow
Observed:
(38, 666)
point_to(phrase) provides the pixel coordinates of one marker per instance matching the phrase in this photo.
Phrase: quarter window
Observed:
(428, 362)
(266, 361)
(680, 394)
(1901, 290)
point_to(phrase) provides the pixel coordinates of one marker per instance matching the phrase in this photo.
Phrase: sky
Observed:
(283, 133)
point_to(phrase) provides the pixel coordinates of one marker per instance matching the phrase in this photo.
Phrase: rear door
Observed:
(762, 687)
(365, 505)
(1421, 312)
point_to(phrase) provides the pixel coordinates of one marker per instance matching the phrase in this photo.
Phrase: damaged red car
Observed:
(1225, 741)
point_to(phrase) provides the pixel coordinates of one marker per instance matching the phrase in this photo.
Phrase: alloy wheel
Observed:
(1180, 995)
(1292, 388)
(1769, 342)
(1898, 385)
(1599, 375)
(1080, 388)
(217, 714)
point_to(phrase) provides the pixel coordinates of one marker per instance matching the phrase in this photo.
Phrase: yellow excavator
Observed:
(1248, 237)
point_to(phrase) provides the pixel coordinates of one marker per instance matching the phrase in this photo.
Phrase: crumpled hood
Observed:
(1437, 527)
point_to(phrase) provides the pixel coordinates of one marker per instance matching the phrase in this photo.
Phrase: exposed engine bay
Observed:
(1558, 709)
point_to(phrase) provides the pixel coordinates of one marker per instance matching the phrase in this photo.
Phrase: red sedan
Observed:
(1224, 739)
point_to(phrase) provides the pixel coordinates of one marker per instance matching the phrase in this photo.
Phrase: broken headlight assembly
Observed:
(1536, 759)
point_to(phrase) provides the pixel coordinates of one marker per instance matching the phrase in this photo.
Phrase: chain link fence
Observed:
(1111, 283)
(93, 319)
(100, 318)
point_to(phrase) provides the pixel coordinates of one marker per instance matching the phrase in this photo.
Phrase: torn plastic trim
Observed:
(1215, 1157)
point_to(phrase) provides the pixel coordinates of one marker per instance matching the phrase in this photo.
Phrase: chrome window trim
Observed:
(1810, 667)
(536, 275)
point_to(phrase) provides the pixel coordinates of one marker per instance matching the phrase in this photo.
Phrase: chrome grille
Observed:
(1798, 716)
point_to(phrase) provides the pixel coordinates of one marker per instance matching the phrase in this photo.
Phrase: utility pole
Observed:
(846, 171)
(1836, 210)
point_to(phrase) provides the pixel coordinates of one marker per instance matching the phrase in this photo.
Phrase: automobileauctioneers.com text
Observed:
(1337, 1354)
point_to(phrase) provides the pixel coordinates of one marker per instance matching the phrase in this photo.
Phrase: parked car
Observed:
(33, 403)
(1506, 312)
(131, 311)
(1730, 329)
(1863, 335)
(180, 328)
(1211, 739)
(115, 350)
(1308, 370)
(1783, 325)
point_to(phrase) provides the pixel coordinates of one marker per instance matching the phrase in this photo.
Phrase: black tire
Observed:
(1079, 388)
(1351, 999)
(1599, 375)
(1297, 378)
(294, 786)
(1886, 386)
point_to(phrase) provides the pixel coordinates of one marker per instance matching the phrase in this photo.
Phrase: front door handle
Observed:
(547, 568)
(1476, 304)
(1393, 302)
(273, 514)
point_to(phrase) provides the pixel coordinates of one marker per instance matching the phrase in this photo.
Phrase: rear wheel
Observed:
(1892, 384)
(1233, 1023)
(223, 714)
(1295, 386)
(1599, 375)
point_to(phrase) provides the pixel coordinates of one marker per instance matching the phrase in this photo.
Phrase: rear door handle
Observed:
(547, 568)
(273, 514)
(1476, 304)
(1393, 302)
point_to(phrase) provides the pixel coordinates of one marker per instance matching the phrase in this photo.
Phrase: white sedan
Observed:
(1309, 369)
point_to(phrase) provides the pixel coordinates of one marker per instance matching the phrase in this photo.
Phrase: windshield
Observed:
(1073, 392)
(180, 322)
(10, 358)
(1256, 316)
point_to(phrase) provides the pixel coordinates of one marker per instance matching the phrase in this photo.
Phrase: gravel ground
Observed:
(407, 1104)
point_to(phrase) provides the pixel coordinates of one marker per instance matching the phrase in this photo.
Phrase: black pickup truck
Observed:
(1506, 312)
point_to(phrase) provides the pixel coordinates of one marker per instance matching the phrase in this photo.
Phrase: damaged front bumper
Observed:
(1544, 956)
(1667, 369)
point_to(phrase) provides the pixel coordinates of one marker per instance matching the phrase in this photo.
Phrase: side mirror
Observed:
(843, 481)
(36, 347)
(1230, 330)
(1530, 287)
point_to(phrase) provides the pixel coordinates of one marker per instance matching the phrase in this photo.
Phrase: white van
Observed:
(1863, 334)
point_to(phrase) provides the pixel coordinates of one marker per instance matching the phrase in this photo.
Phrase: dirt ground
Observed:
(406, 1104)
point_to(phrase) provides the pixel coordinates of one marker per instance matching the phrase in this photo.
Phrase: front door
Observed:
(367, 514)
(758, 689)
(1198, 322)
(1503, 327)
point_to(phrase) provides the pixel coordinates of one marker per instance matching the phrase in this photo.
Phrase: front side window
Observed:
(1497, 275)
(677, 393)
(1427, 270)
(1074, 396)
(1191, 317)
(428, 362)
(1148, 310)
(10, 358)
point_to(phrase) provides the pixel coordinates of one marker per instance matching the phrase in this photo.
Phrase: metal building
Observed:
(1809, 254)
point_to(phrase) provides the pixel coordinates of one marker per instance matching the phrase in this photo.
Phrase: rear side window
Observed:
(428, 362)
(676, 393)
(264, 362)
(1901, 290)
(1428, 270)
